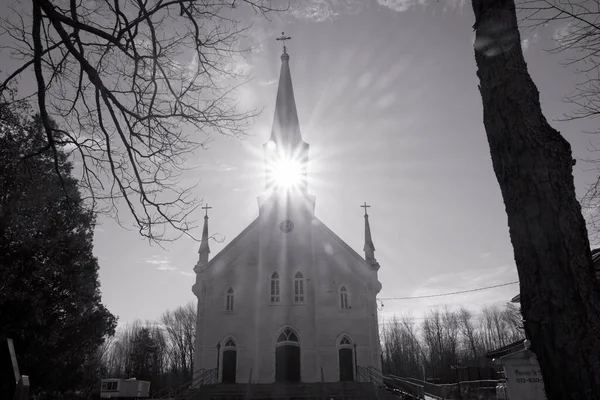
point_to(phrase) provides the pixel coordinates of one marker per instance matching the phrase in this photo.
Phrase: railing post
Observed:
(355, 362)
(218, 359)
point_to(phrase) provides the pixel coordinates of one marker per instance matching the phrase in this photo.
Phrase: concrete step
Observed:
(337, 391)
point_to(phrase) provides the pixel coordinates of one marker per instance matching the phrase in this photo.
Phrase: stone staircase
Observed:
(298, 391)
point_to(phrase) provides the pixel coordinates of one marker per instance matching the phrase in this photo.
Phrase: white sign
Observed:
(524, 382)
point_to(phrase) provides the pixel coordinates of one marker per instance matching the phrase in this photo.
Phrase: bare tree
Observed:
(402, 351)
(180, 328)
(533, 165)
(577, 36)
(131, 84)
(468, 330)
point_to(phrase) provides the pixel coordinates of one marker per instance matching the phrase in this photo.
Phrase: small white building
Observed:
(287, 300)
(115, 388)
(523, 374)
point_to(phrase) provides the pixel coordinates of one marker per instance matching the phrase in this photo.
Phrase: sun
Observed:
(287, 173)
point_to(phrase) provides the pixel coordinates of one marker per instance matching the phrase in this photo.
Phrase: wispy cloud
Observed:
(467, 279)
(268, 82)
(563, 32)
(407, 5)
(402, 5)
(166, 268)
(164, 264)
(324, 10)
(456, 282)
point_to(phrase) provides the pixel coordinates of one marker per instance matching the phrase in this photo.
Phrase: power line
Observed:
(447, 294)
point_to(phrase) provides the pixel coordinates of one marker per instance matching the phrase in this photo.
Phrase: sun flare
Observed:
(287, 173)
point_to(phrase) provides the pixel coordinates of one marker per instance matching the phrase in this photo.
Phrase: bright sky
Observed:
(388, 101)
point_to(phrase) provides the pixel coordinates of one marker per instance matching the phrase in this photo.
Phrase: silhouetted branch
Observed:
(577, 34)
(132, 84)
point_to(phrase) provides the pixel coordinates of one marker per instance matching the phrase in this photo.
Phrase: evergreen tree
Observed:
(142, 355)
(50, 299)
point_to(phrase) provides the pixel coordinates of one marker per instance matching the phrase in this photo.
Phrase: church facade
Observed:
(287, 300)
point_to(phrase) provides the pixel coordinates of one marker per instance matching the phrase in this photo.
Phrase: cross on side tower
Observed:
(283, 38)
(365, 206)
(206, 207)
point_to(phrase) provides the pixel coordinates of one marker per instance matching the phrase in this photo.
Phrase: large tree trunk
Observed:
(533, 164)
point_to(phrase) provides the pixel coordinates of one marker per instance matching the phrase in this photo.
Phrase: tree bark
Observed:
(533, 165)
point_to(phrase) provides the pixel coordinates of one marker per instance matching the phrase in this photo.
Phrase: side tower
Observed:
(369, 249)
(199, 289)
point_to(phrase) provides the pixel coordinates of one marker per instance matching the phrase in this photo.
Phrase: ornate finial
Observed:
(206, 207)
(365, 206)
(283, 38)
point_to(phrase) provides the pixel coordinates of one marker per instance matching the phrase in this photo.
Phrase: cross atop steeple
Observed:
(365, 206)
(204, 250)
(283, 38)
(369, 248)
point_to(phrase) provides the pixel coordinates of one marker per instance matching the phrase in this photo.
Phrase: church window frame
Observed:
(344, 298)
(275, 288)
(229, 300)
(345, 342)
(230, 344)
(299, 288)
(288, 336)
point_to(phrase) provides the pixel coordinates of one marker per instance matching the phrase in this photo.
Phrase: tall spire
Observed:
(286, 126)
(369, 248)
(204, 250)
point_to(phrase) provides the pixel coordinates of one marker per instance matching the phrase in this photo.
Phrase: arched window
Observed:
(229, 302)
(287, 335)
(344, 304)
(345, 341)
(230, 343)
(298, 288)
(275, 297)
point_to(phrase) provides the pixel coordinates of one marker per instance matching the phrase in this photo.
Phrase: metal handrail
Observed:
(413, 387)
(249, 388)
(206, 379)
(161, 393)
(202, 374)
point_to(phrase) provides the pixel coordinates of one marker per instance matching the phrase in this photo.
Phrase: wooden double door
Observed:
(287, 363)
(346, 364)
(229, 366)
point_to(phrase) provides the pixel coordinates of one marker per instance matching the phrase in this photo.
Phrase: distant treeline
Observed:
(161, 352)
(447, 338)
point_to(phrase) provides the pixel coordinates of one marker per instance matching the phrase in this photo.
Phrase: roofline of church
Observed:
(341, 241)
(235, 240)
(321, 225)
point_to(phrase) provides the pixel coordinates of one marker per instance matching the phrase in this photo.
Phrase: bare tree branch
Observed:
(134, 87)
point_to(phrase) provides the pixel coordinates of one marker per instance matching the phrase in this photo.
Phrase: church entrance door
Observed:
(229, 366)
(287, 357)
(287, 363)
(346, 367)
(229, 362)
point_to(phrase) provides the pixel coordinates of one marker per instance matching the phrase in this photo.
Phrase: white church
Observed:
(287, 300)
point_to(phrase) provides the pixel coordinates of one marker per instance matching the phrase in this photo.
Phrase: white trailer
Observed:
(115, 388)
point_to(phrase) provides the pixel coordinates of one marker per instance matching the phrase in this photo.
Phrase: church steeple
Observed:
(369, 247)
(204, 250)
(286, 154)
(285, 131)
